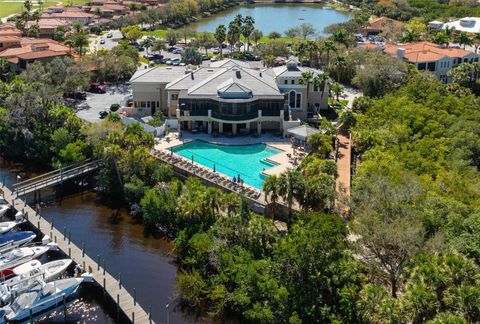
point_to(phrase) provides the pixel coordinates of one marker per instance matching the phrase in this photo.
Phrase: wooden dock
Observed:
(126, 303)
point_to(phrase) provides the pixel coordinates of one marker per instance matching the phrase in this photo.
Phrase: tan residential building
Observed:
(432, 57)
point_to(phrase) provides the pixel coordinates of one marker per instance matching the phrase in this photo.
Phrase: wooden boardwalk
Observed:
(55, 177)
(126, 303)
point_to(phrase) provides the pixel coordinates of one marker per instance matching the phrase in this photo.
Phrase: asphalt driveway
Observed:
(96, 102)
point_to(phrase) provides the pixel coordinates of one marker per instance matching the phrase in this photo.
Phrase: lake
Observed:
(277, 17)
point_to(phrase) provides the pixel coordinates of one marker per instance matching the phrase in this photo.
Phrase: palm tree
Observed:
(133, 7)
(290, 187)
(212, 200)
(257, 35)
(70, 43)
(464, 39)
(80, 40)
(231, 202)
(306, 79)
(321, 81)
(147, 43)
(440, 38)
(320, 144)
(220, 36)
(271, 188)
(233, 34)
(328, 47)
(342, 36)
(28, 7)
(98, 12)
(339, 63)
(247, 29)
(337, 90)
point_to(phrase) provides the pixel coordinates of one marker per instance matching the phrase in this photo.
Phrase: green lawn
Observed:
(9, 8)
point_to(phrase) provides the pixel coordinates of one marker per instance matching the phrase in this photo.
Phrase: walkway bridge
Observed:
(55, 177)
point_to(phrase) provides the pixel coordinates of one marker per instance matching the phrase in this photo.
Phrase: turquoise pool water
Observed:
(248, 161)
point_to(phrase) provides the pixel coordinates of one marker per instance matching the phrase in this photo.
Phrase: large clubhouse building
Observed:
(229, 96)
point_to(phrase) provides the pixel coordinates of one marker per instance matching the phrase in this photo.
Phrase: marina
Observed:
(127, 306)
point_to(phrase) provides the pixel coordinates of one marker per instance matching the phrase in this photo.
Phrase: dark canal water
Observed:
(145, 262)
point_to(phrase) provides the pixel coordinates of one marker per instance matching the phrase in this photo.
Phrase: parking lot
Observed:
(96, 102)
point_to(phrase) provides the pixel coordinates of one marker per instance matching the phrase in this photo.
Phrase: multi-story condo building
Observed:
(228, 96)
(432, 57)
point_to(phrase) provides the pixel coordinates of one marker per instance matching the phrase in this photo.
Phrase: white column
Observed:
(209, 127)
(220, 127)
(259, 124)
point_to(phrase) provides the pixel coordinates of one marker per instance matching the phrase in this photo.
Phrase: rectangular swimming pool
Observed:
(248, 161)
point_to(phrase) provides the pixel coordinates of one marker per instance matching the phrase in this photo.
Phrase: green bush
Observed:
(114, 107)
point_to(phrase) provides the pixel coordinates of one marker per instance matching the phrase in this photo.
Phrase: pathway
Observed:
(343, 159)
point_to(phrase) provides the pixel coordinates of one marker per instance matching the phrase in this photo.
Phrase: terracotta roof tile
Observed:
(425, 51)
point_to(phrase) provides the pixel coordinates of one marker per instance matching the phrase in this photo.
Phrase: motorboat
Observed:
(40, 299)
(7, 226)
(12, 259)
(15, 239)
(50, 270)
(29, 274)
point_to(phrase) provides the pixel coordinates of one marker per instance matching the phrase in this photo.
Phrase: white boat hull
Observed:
(7, 226)
(46, 303)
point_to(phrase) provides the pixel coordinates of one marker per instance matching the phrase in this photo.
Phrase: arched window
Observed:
(291, 100)
(295, 100)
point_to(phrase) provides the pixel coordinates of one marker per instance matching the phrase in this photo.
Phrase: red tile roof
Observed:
(9, 29)
(425, 51)
(35, 48)
(41, 54)
(377, 23)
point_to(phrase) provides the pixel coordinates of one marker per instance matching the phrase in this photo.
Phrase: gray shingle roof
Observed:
(303, 131)
(159, 74)
(260, 84)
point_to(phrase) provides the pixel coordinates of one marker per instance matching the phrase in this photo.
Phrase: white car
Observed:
(216, 50)
(177, 51)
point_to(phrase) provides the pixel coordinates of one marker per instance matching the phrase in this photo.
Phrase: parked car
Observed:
(102, 41)
(205, 57)
(103, 114)
(168, 62)
(224, 45)
(251, 57)
(109, 35)
(173, 48)
(178, 51)
(176, 62)
(78, 95)
(215, 50)
(98, 87)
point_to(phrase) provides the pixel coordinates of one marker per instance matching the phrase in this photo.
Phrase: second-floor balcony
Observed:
(235, 117)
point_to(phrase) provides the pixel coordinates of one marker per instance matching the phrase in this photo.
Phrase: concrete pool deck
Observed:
(282, 160)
